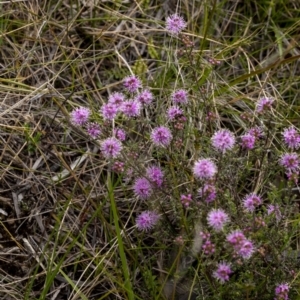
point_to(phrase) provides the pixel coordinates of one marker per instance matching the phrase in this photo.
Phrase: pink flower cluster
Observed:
(204, 169)
(241, 245)
(208, 192)
(208, 247)
(180, 97)
(93, 129)
(175, 24)
(291, 137)
(223, 140)
(186, 200)
(264, 104)
(143, 187)
(80, 115)
(145, 97)
(174, 112)
(111, 147)
(251, 201)
(118, 167)
(223, 272)
(147, 220)
(217, 218)
(281, 291)
(155, 175)
(161, 136)
(132, 83)
(290, 161)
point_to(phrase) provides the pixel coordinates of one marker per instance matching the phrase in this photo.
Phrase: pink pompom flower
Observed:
(116, 99)
(109, 111)
(155, 175)
(236, 238)
(208, 192)
(175, 24)
(161, 136)
(111, 147)
(264, 104)
(180, 97)
(131, 108)
(132, 83)
(120, 134)
(217, 218)
(174, 112)
(204, 169)
(146, 220)
(290, 161)
(223, 140)
(291, 137)
(93, 130)
(248, 141)
(242, 246)
(80, 115)
(246, 250)
(142, 188)
(251, 201)
(145, 97)
(223, 272)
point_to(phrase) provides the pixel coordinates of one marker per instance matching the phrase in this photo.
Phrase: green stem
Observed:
(127, 284)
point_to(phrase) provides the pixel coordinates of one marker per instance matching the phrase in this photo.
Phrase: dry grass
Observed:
(58, 231)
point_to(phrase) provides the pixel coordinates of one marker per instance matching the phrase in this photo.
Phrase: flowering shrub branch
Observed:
(223, 183)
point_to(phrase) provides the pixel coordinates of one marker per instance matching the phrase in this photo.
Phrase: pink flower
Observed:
(174, 112)
(118, 167)
(175, 24)
(290, 161)
(246, 250)
(264, 104)
(251, 201)
(242, 246)
(109, 111)
(161, 136)
(208, 192)
(116, 99)
(120, 134)
(217, 218)
(80, 115)
(142, 188)
(292, 176)
(291, 137)
(155, 175)
(146, 220)
(248, 141)
(180, 97)
(257, 132)
(281, 291)
(111, 147)
(186, 200)
(131, 108)
(204, 169)
(93, 130)
(208, 247)
(236, 238)
(223, 271)
(132, 83)
(145, 97)
(223, 140)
